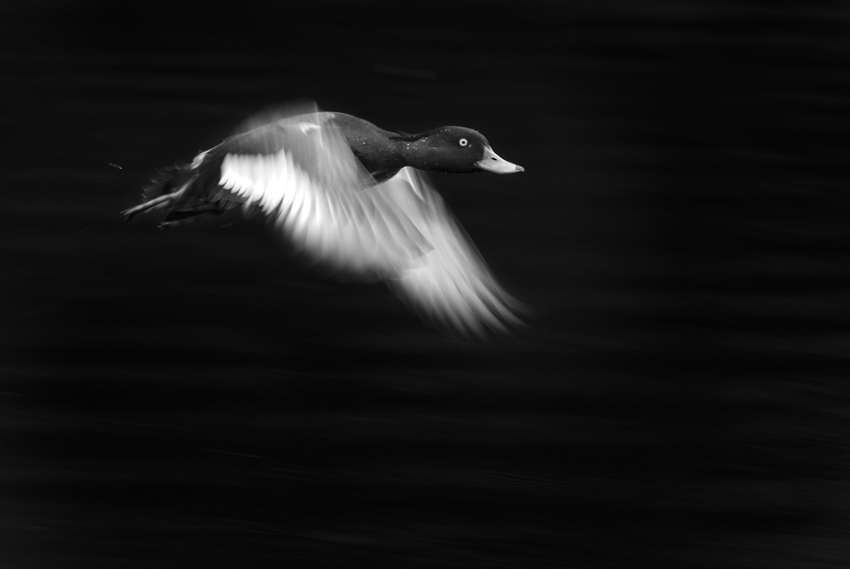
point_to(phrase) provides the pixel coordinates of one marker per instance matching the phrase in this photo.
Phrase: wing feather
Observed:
(311, 185)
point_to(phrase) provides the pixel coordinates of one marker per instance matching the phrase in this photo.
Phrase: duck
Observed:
(354, 198)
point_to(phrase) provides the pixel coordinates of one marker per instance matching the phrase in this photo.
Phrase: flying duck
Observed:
(352, 196)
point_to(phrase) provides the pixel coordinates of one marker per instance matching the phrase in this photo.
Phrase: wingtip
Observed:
(504, 321)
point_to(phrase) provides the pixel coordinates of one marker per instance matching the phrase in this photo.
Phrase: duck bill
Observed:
(493, 163)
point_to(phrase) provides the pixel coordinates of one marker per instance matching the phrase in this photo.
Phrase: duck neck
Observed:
(417, 153)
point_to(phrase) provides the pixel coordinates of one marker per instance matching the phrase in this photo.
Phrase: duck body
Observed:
(350, 195)
(373, 147)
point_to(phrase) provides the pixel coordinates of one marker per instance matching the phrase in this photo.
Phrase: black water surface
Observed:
(192, 398)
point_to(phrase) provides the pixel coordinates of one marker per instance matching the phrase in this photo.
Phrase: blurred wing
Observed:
(318, 194)
(450, 283)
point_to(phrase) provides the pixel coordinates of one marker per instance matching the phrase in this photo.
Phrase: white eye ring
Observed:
(463, 142)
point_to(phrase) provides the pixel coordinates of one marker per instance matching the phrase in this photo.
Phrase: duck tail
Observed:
(184, 191)
(163, 190)
(168, 181)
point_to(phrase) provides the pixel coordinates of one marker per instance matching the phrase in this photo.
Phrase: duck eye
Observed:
(463, 142)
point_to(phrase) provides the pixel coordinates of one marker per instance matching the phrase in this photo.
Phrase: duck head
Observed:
(453, 149)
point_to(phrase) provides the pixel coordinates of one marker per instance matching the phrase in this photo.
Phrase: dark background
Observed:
(193, 398)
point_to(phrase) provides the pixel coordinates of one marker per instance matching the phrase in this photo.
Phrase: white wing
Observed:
(400, 231)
